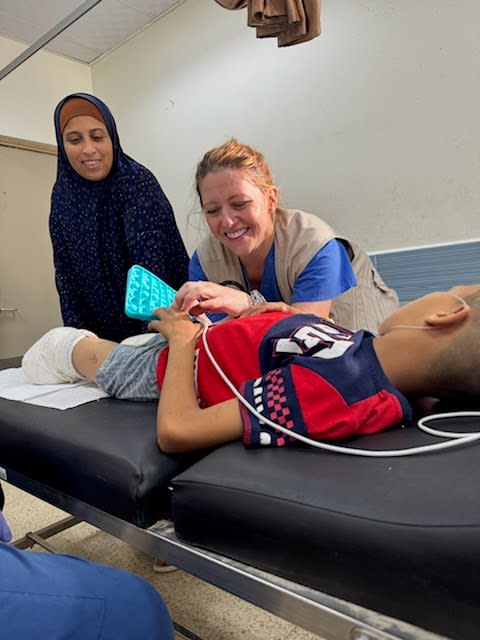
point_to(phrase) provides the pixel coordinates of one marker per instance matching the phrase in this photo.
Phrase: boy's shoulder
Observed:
(306, 335)
(308, 324)
(280, 334)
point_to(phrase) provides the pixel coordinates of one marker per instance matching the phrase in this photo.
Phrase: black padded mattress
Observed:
(397, 535)
(103, 453)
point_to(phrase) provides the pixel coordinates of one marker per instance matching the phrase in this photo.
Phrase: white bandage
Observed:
(49, 360)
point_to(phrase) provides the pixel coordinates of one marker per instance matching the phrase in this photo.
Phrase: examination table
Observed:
(347, 547)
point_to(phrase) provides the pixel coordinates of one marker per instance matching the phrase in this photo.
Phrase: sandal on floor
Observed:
(160, 566)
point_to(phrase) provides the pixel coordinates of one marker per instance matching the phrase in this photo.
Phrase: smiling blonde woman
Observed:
(257, 250)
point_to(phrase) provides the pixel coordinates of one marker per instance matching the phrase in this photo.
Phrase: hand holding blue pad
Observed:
(146, 292)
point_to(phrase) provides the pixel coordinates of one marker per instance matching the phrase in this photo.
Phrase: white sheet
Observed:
(13, 386)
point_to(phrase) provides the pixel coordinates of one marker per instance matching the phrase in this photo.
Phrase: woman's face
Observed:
(88, 147)
(239, 214)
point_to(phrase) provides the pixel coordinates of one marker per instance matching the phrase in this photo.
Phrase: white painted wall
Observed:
(374, 126)
(29, 94)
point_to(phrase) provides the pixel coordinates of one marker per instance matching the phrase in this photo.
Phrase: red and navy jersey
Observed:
(301, 372)
(320, 381)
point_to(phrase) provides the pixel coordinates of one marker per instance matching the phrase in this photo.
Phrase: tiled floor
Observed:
(198, 606)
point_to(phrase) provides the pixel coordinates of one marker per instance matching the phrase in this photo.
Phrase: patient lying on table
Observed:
(297, 370)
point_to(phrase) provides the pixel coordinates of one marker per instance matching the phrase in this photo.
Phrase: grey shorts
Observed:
(130, 373)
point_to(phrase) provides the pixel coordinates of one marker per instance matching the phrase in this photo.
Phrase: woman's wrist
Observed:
(256, 298)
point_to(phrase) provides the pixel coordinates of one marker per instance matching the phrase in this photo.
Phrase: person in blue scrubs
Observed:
(59, 596)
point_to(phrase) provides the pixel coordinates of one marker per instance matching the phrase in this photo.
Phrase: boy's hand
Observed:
(175, 326)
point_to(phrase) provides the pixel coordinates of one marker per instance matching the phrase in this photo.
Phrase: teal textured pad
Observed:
(146, 292)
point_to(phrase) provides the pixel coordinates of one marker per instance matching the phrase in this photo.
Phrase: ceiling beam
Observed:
(50, 35)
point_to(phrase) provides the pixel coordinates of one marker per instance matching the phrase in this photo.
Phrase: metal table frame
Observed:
(317, 612)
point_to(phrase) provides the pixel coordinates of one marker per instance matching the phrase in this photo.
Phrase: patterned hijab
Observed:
(100, 228)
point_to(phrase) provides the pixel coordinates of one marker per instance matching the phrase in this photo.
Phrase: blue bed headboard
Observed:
(416, 271)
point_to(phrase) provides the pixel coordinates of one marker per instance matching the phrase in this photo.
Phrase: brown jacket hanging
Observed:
(290, 21)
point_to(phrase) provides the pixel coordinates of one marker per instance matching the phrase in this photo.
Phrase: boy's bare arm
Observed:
(181, 424)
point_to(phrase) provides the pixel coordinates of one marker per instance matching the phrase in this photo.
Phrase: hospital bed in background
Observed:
(346, 547)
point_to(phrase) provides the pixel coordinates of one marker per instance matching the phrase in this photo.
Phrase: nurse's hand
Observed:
(202, 296)
(321, 309)
(265, 307)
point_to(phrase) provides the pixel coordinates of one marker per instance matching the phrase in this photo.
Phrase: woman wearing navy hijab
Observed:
(108, 212)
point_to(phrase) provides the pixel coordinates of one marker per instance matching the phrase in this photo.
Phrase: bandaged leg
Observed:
(49, 360)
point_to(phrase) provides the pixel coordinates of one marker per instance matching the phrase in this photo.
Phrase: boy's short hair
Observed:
(455, 371)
